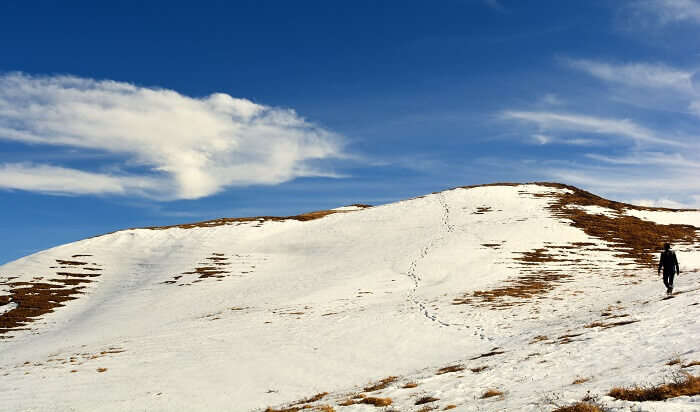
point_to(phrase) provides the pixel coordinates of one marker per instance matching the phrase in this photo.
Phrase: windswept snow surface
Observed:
(254, 314)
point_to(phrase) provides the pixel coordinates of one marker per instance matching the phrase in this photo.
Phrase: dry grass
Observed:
(523, 288)
(632, 237)
(448, 407)
(101, 370)
(579, 407)
(479, 369)
(579, 381)
(449, 369)
(604, 325)
(674, 361)
(36, 298)
(233, 220)
(688, 386)
(689, 364)
(376, 401)
(410, 385)
(488, 354)
(490, 393)
(324, 408)
(426, 399)
(311, 399)
(381, 384)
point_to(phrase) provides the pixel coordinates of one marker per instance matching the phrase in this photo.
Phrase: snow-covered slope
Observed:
(518, 288)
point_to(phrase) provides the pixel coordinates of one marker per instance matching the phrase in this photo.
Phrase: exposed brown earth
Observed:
(381, 384)
(232, 220)
(491, 393)
(36, 298)
(579, 407)
(689, 386)
(488, 354)
(629, 237)
(449, 369)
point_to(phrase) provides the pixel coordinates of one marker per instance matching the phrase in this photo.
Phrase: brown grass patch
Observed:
(487, 354)
(579, 407)
(426, 399)
(410, 385)
(516, 291)
(448, 407)
(479, 369)
(34, 299)
(233, 220)
(688, 365)
(101, 370)
(324, 408)
(632, 237)
(381, 384)
(370, 400)
(604, 325)
(579, 381)
(688, 386)
(481, 210)
(449, 369)
(490, 393)
(539, 338)
(311, 399)
(70, 262)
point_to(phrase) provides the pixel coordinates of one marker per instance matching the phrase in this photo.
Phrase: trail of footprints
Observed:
(219, 266)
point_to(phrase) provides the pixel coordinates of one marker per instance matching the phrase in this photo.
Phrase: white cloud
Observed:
(53, 179)
(649, 158)
(662, 202)
(644, 75)
(667, 11)
(193, 147)
(547, 121)
(543, 139)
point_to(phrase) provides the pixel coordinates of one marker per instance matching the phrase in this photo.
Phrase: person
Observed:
(669, 263)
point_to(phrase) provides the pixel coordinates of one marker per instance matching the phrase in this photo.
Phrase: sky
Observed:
(130, 114)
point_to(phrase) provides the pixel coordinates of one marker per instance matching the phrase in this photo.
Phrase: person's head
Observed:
(667, 246)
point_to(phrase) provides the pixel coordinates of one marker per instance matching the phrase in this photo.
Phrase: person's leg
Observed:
(666, 280)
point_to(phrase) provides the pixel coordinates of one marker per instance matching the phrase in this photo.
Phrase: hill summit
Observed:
(522, 297)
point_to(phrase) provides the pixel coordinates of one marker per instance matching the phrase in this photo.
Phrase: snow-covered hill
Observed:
(429, 302)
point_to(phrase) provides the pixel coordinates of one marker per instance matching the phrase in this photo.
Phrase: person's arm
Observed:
(661, 262)
(675, 261)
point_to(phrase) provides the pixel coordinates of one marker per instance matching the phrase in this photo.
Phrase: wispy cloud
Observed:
(623, 128)
(60, 180)
(641, 75)
(190, 147)
(668, 11)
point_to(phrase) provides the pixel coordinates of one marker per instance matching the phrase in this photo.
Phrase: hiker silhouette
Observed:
(669, 262)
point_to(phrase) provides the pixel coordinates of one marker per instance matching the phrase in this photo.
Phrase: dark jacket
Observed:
(669, 262)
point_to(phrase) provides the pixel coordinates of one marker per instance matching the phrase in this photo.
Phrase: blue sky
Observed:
(154, 113)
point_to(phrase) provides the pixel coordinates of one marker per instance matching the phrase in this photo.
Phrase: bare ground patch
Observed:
(35, 298)
(689, 385)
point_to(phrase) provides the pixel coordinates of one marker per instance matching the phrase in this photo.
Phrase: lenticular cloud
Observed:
(183, 147)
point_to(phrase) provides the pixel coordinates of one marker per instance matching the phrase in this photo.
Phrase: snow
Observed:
(681, 217)
(332, 304)
(596, 210)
